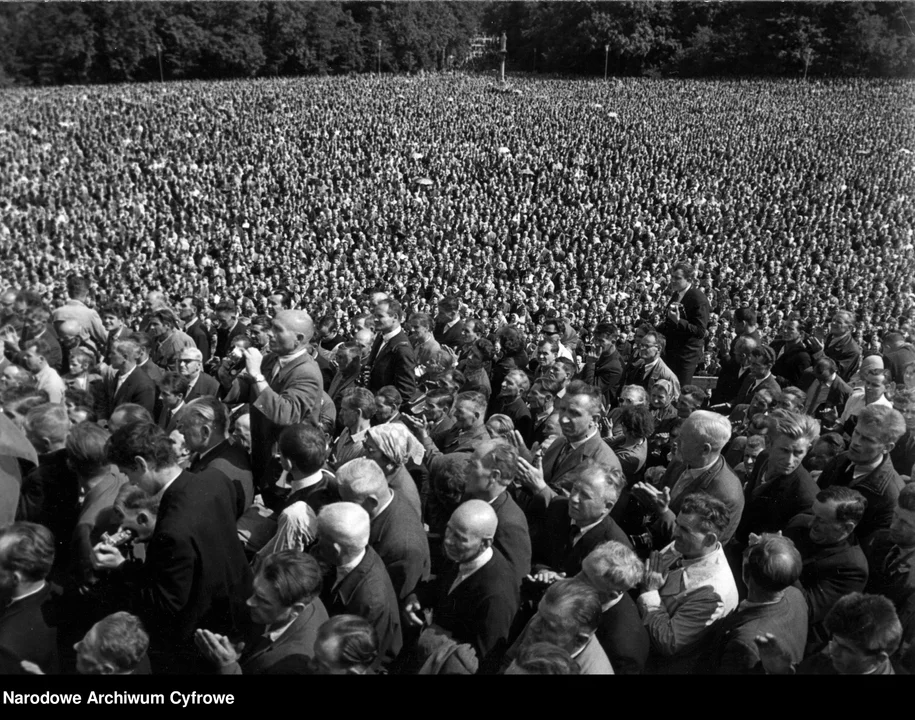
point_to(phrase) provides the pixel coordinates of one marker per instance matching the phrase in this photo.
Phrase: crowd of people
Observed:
(590, 379)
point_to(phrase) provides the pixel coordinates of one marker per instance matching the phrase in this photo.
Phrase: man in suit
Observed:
(779, 487)
(76, 309)
(195, 573)
(396, 533)
(759, 376)
(189, 311)
(771, 567)
(204, 424)
(286, 613)
(688, 585)
(227, 327)
(891, 558)
(349, 364)
(425, 347)
(578, 524)
(172, 390)
(511, 401)
(144, 363)
(604, 370)
(36, 327)
(467, 432)
(128, 384)
(489, 472)
(449, 330)
(791, 355)
(358, 583)
(650, 367)
(28, 626)
(825, 387)
(284, 387)
(685, 326)
(392, 358)
(169, 340)
(113, 316)
(733, 372)
(700, 468)
(199, 384)
(613, 569)
(897, 354)
(568, 616)
(834, 563)
(840, 346)
(867, 467)
(303, 452)
(581, 441)
(476, 598)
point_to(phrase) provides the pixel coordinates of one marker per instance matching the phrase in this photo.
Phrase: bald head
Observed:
(345, 524)
(298, 321)
(156, 300)
(69, 329)
(477, 518)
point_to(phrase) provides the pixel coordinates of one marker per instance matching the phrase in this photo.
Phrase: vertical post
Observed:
(808, 56)
(534, 66)
(503, 52)
(379, 57)
(606, 55)
(159, 53)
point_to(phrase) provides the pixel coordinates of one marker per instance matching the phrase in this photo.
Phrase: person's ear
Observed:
(143, 519)
(711, 540)
(487, 542)
(370, 503)
(141, 464)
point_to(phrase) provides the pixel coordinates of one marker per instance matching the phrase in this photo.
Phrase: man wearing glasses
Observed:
(650, 368)
(199, 384)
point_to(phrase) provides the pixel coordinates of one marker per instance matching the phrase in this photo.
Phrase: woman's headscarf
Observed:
(397, 443)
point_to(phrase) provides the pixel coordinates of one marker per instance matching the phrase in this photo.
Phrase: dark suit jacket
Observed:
(838, 394)
(291, 653)
(719, 481)
(846, 353)
(480, 610)
(154, 372)
(201, 338)
(730, 648)
(893, 578)
(137, 388)
(519, 413)
(791, 365)
(293, 396)
(233, 462)
(452, 337)
(556, 468)
(880, 489)
(563, 555)
(769, 507)
(747, 389)
(206, 386)
(224, 338)
(54, 356)
(168, 420)
(605, 374)
(397, 535)
(513, 538)
(624, 637)
(896, 361)
(28, 628)
(393, 365)
(195, 574)
(729, 383)
(686, 338)
(316, 496)
(367, 592)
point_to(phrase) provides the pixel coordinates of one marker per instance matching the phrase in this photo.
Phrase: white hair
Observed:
(361, 477)
(711, 427)
(346, 524)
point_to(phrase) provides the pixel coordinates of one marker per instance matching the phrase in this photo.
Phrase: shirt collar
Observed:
(391, 335)
(211, 450)
(469, 568)
(274, 635)
(344, 570)
(610, 603)
(387, 504)
(29, 594)
(359, 436)
(284, 360)
(576, 445)
(652, 363)
(307, 482)
(586, 528)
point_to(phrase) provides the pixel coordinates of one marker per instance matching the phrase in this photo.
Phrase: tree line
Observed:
(94, 42)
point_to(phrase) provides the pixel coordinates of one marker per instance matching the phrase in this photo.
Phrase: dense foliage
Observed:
(49, 43)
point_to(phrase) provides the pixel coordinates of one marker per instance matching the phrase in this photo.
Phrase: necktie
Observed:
(574, 531)
(892, 558)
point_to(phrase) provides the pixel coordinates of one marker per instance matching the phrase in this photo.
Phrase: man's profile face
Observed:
(283, 339)
(157, 328)
(552, 624)
(186, 309)
(786, 455)
(385, 320)
(575, 416)
(825, 528)
(111, 322)
(461, 544)
(866, 446)
(464, 415)
(264, 604)
(587, 500)
(678, 281)
(689, 540)
(225, 319)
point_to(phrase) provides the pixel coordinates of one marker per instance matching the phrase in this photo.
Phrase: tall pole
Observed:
(159, 53)
(379, 57)
(808, 56)
(503, 52)
(606, 55)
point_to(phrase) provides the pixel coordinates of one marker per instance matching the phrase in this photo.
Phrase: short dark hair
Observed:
(113, 309)
(504, 458)
(449, 304)
(305, 446)
(122, 641)
(391, 394)
(868, 621)
(173, 382)
(745, 315)
(228, 305)
(394, 308)
(580, 601)
(295, 576)
(165, 316)
(713, 514)
(136, 499)
(764, 353)
(86, 449)
(360, 399)
(826, 364)
(689, 272)
(850, 504)
(773, 563)
(357, 640)
(637, 420)
(580, 387)
(546, 659)
(485, 348)
(31, 550)
(133, 413)
(144, 440)
(605, 331)
(207, 410)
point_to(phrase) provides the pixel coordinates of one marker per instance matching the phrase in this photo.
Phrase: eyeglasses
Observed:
(185, 361)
